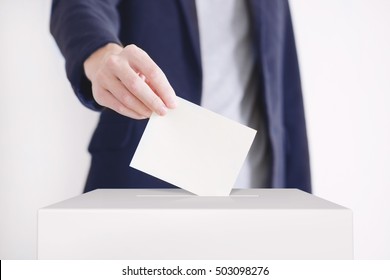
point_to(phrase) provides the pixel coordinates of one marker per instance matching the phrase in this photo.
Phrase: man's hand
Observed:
(129, 82)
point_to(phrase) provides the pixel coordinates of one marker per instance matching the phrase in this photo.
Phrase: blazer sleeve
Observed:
(80, 27)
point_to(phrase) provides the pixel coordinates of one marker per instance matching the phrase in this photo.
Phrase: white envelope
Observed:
(194, 149)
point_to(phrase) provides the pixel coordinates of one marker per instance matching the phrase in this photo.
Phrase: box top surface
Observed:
(127, 199)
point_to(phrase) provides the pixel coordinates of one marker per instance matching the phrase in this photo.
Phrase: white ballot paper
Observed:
(194, 149)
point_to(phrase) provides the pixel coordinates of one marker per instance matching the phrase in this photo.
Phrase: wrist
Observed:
(91, 64)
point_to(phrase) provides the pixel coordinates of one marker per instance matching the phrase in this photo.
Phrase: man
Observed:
(238, 58)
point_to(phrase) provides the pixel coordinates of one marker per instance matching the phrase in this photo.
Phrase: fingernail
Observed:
(172, 102)
(162, 111)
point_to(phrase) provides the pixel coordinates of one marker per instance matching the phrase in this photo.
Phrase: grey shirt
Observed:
(230, 79)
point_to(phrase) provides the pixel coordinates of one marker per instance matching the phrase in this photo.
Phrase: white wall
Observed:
(44, 131)
(344, 52)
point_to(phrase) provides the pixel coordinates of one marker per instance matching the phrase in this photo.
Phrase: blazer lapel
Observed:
(191, 21)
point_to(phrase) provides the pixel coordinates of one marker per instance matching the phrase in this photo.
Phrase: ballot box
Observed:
(174, 224)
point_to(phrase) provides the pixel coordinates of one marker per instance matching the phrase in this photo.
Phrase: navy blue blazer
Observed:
(168, 31)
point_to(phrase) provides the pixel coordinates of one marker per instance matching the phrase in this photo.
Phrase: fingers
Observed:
(129, 82)
(141, 62)
(106, 99)
(120, 92)
(137, 87)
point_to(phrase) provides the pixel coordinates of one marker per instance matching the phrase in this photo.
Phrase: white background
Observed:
(344, 52)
